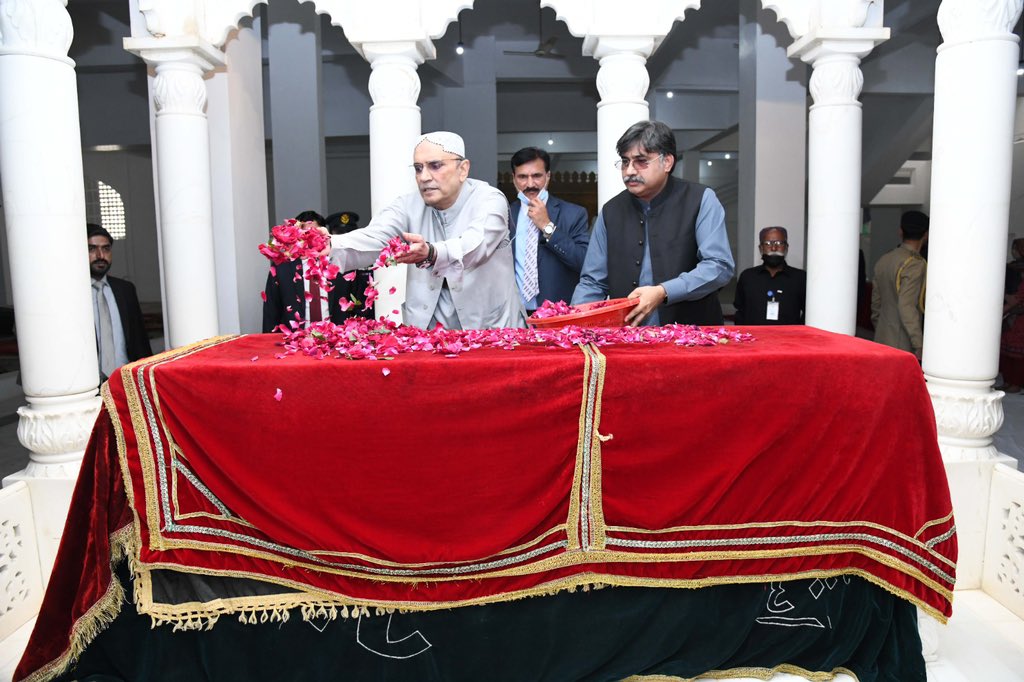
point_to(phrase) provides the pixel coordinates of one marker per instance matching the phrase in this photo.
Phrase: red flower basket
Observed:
(611, 313)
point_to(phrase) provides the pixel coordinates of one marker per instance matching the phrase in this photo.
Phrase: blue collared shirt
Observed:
(714, 268)
(522, 234)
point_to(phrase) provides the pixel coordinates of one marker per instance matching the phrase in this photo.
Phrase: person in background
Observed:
(661, 240)
(344, 222)
(897, 293)
(285, 301)
(773, 292)
(550, 235)
(120, 333)
(1011, 342)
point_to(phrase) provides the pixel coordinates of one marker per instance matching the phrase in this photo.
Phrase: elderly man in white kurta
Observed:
(457, 229)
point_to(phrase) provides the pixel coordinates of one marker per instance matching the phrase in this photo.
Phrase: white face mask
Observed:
(542, 195)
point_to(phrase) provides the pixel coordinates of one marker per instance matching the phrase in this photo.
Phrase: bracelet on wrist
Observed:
(430, 258)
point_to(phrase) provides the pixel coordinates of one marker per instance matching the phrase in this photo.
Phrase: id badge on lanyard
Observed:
(772, 312)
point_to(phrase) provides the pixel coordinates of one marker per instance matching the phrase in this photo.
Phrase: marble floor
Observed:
(983, 642)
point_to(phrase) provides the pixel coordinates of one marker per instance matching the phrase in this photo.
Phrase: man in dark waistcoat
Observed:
(662, 240)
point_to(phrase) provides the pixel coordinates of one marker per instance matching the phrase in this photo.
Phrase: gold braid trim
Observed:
(757, 673)
(95, 620)
(935, 522)
(141, 427)
(596, 492)
(914, 541)
(572, 525)
(307, 598)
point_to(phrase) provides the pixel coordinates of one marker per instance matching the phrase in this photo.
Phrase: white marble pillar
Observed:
(394, 128)
(622, 39)
(975, 92)
(395, 38)
(972, 149)
(833, 171)
(622, 82)
(238, 164)
(295, 63)
(44, 211)
(183, 178)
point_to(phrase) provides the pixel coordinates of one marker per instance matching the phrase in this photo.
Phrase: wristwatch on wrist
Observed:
(548, 230)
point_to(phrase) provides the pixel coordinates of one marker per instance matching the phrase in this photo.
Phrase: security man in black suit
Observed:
(286, 297)
(120, 334)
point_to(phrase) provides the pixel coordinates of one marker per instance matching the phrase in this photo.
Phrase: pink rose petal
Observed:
(392, 290)
(278, 394)
(382, 339)
(349, 276)
(385, 371)
(254, 358)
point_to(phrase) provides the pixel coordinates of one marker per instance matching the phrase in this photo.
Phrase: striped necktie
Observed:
(531, 286)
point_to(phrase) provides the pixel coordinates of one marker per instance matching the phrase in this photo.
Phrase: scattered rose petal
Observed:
(361, 339)
(254, 358)
(385, 371)
(349, 276)
(278, 395)
(263, 295)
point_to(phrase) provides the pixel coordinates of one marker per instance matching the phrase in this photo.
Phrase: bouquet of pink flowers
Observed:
(301, 241)
(293, 240)
(396, 246)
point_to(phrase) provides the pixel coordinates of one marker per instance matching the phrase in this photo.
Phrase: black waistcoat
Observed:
(673, 235)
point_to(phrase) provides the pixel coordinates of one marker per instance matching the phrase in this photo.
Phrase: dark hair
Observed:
(763, 232)
(94, 230)
(914, 225)
(335, 225)
(652, 136)
(307, 216)
(528, 154)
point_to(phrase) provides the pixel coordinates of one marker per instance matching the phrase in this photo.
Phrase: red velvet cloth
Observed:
(81, 578)
(446, 481)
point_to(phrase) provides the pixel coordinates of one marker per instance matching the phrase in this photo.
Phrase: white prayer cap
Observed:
(449, 142)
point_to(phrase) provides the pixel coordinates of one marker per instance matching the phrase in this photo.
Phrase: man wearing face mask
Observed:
(772, 293)
(550, 235)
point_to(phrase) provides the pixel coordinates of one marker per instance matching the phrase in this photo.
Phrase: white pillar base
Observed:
(967, 414)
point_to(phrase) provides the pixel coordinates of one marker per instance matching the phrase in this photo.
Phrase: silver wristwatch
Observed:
(548, 230)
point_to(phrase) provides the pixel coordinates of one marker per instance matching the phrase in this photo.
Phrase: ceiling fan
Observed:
(545, 48)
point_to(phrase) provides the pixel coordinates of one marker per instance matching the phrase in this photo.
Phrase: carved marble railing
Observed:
(21, 580)
(1003, 574)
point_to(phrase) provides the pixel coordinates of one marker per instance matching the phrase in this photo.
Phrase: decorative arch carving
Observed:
(213, 20)
(793, 14)
(223, 16)
(606, 17)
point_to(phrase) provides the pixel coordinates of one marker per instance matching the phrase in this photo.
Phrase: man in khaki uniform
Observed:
(897, 295)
